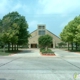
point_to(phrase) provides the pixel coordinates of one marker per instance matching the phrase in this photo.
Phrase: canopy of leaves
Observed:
(45, 41)
(71, 32)
(13, 29)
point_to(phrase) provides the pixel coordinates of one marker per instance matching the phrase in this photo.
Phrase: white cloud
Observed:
(7, 6)
(58, 6)
(33, 24)
(25, 8)
(64, 23)
(20, 6)
(3, 6)
(16, 7)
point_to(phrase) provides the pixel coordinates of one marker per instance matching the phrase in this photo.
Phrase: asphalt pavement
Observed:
(23, 66)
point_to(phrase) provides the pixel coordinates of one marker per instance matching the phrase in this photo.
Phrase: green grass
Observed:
(6, 53)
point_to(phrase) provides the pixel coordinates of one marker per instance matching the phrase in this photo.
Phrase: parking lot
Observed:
(17, 67)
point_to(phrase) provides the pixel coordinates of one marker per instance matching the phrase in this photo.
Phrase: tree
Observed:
(14, 29)
(61, 44)
(45, 41)
(9, 28)
(23, 33)
(71, 32)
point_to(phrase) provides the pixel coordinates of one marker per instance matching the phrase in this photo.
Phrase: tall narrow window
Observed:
(41, 32)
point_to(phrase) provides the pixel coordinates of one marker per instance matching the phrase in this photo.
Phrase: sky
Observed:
(55, 14)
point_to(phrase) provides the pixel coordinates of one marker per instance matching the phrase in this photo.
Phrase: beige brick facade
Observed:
(33, 40)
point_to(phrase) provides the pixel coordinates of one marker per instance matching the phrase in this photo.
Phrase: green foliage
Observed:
(44, 51)
(13, 29)
(61, 44)
(23, 33)
(41, 49)
(71, 31)
(1, 44)
(45, 41)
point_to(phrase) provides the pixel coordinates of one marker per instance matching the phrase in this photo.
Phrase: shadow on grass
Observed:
(66, 49)
(5, 79)
(6, 53)
(2, 79)
(74, 50)
(26, 51)
(14, 51)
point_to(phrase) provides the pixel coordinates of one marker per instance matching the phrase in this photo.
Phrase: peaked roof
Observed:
(47, 30)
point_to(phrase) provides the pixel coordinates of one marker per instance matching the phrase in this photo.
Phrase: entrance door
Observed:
(33, 45)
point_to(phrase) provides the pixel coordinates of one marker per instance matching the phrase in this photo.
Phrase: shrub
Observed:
(41, 49)
(44, 51)
(45, 41)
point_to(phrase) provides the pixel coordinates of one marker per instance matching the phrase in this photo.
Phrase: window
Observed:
(41, 27)
(41, 32)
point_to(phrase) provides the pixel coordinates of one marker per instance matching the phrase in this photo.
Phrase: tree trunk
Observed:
(72, 46)
(76, 45)
(12, 46)
(46, 48)
(8, 46)
(68, 45)
(17, 47)
(4, 48)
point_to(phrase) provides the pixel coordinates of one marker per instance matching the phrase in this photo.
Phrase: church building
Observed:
(41, 30)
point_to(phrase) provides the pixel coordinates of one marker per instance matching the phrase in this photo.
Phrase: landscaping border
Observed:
(46, 54)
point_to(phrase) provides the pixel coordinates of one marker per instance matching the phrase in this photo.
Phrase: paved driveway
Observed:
(39, 68)
(28, 53)
(61, 53)
(36, 53)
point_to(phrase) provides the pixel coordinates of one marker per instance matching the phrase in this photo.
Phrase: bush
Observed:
(44, 51)
(41, 49)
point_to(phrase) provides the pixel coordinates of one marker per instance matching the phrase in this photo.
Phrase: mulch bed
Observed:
(47, 54)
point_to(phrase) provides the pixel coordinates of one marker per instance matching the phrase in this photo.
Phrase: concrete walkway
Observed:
(30, 65)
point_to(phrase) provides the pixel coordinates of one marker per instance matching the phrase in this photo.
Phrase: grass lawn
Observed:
(6, 53)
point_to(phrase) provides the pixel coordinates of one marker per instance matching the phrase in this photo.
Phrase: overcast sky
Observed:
(55, 14)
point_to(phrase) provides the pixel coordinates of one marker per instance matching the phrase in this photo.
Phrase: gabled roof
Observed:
(33, 31)
(48, 31)
(53, 34)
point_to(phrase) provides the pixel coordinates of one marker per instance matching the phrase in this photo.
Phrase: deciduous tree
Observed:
(45, 41)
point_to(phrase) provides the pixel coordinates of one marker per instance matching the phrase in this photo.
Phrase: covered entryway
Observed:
(33, 45)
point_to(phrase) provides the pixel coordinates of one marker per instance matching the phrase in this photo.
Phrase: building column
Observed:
(53, 45)
(54, 42)
(29, 45)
